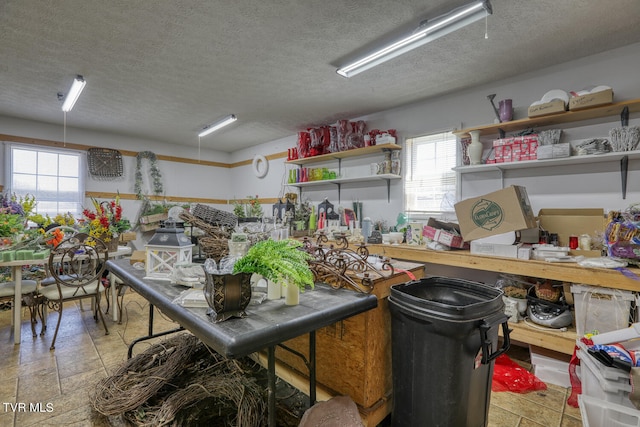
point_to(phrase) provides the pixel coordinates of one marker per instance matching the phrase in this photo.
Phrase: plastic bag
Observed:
(509, 376)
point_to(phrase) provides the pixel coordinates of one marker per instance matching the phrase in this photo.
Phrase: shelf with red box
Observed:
(514, 156)
(339, 180)
(573, 160)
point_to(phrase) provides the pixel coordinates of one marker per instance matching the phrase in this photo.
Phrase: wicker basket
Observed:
(215, 243)
(214, 247)
(215, 216)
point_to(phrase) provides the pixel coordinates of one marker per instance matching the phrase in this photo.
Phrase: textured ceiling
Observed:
(164, 69)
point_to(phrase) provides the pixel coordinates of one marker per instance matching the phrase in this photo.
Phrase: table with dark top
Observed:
(266, 325)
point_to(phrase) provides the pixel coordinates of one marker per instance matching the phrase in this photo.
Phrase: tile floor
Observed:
(60, 380)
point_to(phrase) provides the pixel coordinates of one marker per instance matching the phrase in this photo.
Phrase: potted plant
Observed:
(281, 262)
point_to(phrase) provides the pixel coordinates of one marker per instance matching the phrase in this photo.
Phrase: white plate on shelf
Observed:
(555, 94)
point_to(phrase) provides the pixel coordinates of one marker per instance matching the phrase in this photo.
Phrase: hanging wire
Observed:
(64, 129)
(486, 25)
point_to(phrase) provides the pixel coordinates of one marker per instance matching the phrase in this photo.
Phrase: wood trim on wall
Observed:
(82, 147)
(176, 199)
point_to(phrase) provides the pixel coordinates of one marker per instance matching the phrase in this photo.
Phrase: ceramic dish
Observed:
(555, 94)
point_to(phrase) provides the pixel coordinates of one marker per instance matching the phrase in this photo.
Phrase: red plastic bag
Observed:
(509, 376)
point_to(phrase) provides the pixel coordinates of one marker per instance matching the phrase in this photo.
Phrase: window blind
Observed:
(430, 182)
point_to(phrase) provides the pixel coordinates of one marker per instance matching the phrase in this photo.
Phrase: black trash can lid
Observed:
(447, 298)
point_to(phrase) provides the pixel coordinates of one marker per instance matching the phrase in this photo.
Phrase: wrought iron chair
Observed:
(76, 266)
(29, 299)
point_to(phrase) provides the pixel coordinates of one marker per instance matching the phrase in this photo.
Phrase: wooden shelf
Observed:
(566, 272)
(528, 164)
(552, 339)
(386, 176)
(554, 119)
(344, 154)
(556, 340)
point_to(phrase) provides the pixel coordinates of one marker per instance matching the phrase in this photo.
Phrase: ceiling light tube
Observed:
(218, 125)
(74, 93)
(427, 31)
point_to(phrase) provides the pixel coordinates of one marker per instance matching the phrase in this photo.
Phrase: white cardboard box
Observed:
(497, 249)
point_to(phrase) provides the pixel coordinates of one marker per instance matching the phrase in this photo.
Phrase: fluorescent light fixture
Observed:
(217, 125)
(74, 93)
(427, 31)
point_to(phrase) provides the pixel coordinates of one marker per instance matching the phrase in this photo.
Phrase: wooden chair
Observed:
(76, 266)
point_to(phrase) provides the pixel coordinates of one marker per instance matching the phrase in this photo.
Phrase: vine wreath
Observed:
(154, 172)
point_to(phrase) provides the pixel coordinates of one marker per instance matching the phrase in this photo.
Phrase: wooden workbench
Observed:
(563, 342)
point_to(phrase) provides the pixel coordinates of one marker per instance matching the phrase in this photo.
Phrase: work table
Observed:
(556, 340)
(565, 272)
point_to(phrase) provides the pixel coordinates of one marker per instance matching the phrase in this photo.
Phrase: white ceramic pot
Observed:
(292, 296)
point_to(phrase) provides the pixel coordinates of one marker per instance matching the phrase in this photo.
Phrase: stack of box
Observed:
(605, 393)
(514, 149)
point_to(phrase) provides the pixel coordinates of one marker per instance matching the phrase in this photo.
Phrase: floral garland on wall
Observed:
(154, 172)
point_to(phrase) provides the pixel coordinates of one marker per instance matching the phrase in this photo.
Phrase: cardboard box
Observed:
(447, 233)
(502, 250)
(591, 100)
(573, 222)
(553, 107)
(504, 210)
(138, 256)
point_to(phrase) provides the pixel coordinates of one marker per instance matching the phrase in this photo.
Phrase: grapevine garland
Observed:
(154, 172)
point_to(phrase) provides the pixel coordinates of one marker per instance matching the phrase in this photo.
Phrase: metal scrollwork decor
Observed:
(339, 266)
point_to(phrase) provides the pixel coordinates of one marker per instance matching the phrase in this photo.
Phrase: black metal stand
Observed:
(151, 334)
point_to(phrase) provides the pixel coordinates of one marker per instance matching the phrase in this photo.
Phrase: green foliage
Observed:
(278, 261)
(10, 224)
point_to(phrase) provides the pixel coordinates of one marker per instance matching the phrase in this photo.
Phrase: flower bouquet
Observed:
(106, 221)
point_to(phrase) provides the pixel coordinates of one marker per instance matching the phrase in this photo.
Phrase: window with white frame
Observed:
(51, 175)
(429, 181)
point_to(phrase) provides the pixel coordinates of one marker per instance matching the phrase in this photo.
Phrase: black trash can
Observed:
(444, 342)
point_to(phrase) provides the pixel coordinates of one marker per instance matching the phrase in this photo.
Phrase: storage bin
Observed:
(599, 413)
(597, 386)
(607, 372)
(550, 370)
(601, 309)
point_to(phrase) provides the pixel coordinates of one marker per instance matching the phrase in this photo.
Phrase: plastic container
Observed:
(599, 413)
(594, 384)
(601, 309)
(444, 342)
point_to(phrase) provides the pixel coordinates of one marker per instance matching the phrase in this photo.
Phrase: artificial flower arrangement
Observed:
(251, 209)
(107, 221)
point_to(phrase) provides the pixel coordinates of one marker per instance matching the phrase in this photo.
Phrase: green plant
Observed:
(10, 224)
(278, 261)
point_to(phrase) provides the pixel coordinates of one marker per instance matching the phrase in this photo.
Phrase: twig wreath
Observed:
(154, 172)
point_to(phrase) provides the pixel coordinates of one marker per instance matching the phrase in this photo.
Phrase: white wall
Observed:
(593, 185)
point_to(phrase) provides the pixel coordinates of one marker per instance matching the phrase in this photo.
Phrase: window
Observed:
(430, 182)
(52, 176)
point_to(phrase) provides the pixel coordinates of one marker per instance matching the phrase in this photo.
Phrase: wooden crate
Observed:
(128, 236)
(151, 222)
(353, 357)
